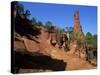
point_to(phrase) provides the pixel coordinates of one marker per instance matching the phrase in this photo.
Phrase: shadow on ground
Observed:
(44, 62)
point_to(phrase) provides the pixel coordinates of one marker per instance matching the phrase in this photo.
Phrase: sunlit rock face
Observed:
(77, 25)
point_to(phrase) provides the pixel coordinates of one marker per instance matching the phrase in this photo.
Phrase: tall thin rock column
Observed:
(77, 25)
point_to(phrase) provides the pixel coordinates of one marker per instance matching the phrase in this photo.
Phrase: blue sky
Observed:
(62, 15)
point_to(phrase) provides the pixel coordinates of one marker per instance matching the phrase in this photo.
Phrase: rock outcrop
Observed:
(77, 25)
(77, 45)
(34, 53)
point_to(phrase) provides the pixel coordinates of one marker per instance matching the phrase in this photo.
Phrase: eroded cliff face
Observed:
(34, 44)
(35, 53)
(38, 55)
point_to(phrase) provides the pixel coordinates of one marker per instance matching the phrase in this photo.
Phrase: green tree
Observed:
(95, 40)
(19, 7)
(48, 24)
(71, 34)
(27, 14)
(95, 37)
(91, 40)
(62, 30)
(40, 23)
(70, 30)
(33, 21)
(58, 30)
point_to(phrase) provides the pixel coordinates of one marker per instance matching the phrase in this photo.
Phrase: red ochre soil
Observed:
(72, 60)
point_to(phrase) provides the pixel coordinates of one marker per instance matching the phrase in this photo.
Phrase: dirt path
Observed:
(72, 60)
